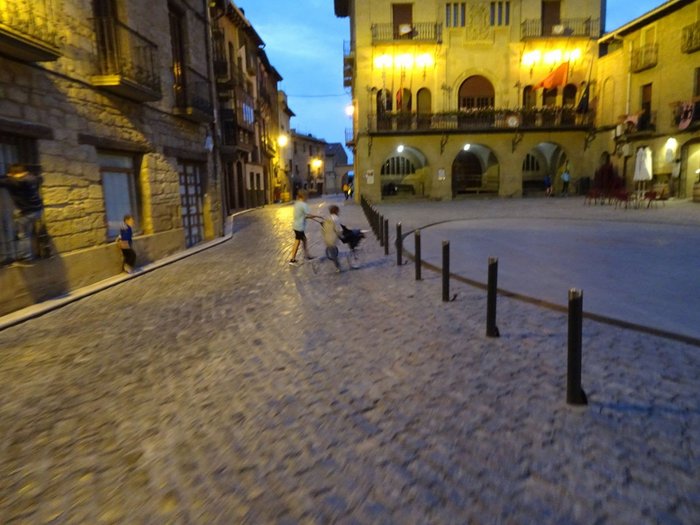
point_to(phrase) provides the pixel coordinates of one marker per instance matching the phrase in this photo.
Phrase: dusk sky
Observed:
(304, 41)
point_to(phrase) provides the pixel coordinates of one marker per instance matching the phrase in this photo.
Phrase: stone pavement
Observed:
(231, 388)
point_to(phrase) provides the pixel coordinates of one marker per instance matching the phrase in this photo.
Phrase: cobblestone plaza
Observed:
(230, 388)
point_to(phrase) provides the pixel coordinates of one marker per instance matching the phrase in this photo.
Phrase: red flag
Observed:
(558, 77)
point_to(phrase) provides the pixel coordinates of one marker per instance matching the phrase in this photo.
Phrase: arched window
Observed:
(424, 101)
(403, 100)
(569, 98)
(549, 97)
(531, 163)
(383, 101)
(476, 92)
(398, 166)
(529, 97)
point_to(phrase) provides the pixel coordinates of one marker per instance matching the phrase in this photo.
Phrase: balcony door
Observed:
(551, 16)
(402, 16)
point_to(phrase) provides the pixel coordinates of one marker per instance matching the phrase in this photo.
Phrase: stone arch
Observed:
(475, 169)
(424, 107)
(401, 168)
(544, 159)
(608, 102)
(476, 91)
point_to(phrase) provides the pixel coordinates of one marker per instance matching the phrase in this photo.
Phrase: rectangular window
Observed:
(455, 14)
(500, 13)
(13, 150)
(177, 42)
(119, 188)
(191, 197)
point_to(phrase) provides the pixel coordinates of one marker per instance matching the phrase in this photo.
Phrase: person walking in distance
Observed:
(23, 188)
(301, 213)
(126, 243)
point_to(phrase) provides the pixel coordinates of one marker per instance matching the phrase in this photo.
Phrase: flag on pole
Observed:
(558, 77)
(582, 106)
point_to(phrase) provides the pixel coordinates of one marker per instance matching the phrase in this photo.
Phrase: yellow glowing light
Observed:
(383, 61)
(350, 110)
(283, 140)
(574, 55)
(425, 60)
(316, 163)
(405, 60)
(552, 57)
(531, 58)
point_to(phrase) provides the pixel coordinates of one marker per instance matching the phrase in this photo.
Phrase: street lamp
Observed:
(282, 140)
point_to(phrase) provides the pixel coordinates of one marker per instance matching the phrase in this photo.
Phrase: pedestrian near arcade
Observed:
(565, 179)
(23, 188)
(126, 243)
(301, 213)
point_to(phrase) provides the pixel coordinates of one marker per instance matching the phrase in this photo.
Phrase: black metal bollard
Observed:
(416, 237)
(491, 328)
(380, 229)
(574, 393)
(445, 270)
(399, 245)
(386, 236)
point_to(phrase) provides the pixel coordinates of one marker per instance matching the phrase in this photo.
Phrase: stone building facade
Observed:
(649, 79)
(456, 98)
(308, 163)
(119, 105)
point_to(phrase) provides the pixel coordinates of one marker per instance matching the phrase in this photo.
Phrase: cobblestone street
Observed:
(231, 388)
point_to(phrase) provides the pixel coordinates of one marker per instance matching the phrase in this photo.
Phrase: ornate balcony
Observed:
(28, 30)
(691, 38)
(349, 137)
(644, 57)
(192, 95)
(126, 62)
(416, 32)
(567, 27)
(482, 120)
(348, 62)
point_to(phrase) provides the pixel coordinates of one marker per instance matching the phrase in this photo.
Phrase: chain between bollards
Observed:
(491, 328)
(399, 245)
(418, 261)
(574, 393)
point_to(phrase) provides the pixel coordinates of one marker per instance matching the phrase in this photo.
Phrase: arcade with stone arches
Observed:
(447, 167)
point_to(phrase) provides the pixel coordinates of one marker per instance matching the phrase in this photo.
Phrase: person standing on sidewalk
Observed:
(23, 188)
(301, 213)
(126, 243)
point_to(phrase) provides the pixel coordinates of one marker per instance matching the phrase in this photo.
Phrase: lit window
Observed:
(119, 188)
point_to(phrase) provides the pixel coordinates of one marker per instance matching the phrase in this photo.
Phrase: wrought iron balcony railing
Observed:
(192, 95)
(349, 137)
(415, 32)
(28, 30)
(219, 58)
(482, 119)
(644, 57)
(567, 27)
(691, 38)
(126, 61)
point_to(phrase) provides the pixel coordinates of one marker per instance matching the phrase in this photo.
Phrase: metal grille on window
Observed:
(191, 202)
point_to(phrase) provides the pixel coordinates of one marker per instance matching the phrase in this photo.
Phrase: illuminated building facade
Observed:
(457, 98)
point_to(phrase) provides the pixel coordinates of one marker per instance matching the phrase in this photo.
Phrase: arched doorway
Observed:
(475, 170)
(476, 92)
(545, 159)
(403, 171)
(683, 186)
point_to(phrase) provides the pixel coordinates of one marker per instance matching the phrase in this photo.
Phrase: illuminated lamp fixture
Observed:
(466, 147)
(400, 148)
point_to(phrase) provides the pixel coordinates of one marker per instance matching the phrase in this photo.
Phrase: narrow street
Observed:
(231, 388)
